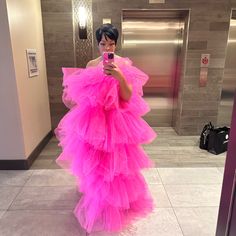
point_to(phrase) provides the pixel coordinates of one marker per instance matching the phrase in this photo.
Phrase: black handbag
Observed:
(204, 137)
(218, 140)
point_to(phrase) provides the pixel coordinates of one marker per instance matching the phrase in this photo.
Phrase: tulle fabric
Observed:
(101, 137)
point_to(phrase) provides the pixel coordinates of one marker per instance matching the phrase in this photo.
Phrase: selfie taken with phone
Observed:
(118, 118)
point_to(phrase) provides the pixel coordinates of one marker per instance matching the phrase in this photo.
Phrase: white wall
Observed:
(11, 134)
(24, 105)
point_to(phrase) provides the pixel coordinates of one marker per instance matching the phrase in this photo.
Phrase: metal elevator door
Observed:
(229, 79)
(154, 45)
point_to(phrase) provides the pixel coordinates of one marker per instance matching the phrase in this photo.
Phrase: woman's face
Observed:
(106, 45)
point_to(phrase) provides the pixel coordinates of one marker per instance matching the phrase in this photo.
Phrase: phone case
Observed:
(108, 57)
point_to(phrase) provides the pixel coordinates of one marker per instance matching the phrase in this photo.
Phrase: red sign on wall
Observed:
(205, 60)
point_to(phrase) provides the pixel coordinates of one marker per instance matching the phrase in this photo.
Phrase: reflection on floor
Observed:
(185, 185)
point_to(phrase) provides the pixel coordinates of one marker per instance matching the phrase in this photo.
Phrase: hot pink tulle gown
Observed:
(101, 137)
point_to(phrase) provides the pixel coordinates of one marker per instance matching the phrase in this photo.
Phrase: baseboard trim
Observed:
(26, 164)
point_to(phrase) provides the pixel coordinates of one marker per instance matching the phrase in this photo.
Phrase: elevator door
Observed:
(154, 44)
(229, 79)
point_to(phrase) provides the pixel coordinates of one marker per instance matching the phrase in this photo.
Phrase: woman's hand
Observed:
(114, 70)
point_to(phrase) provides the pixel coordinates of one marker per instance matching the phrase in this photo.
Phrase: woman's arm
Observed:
(125, 90)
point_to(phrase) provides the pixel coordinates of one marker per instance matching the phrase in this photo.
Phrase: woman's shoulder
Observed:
(117, 56)
(93, 62)
(124, 60)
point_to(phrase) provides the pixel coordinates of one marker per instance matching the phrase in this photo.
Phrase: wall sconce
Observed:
(82, 23)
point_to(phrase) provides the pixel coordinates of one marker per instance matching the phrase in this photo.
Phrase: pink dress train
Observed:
(101, 137)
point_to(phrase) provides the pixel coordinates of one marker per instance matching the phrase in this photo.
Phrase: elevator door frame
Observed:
(183, 16)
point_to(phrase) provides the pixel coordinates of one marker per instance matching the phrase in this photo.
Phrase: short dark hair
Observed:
(109, 31)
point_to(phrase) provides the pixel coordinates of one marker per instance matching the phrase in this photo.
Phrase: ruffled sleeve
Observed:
(137, 79)
(68, 75)
(90, 86)
(135, 76)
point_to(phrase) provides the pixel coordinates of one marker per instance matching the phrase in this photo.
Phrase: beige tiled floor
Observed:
(185, 185)
(167, 150)
(40, 202)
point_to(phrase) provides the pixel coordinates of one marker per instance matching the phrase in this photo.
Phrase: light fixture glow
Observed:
(82, 17)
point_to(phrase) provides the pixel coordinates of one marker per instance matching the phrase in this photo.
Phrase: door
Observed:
(153, 42)
(229, 79)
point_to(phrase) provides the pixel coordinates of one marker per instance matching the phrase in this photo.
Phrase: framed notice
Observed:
(32, 62)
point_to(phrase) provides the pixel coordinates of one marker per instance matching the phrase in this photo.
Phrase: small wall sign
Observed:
(32, 62)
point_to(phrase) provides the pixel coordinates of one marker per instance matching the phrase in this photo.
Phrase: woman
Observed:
(101, 139)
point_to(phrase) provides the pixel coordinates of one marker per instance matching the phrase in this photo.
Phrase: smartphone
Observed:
(108, 57)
